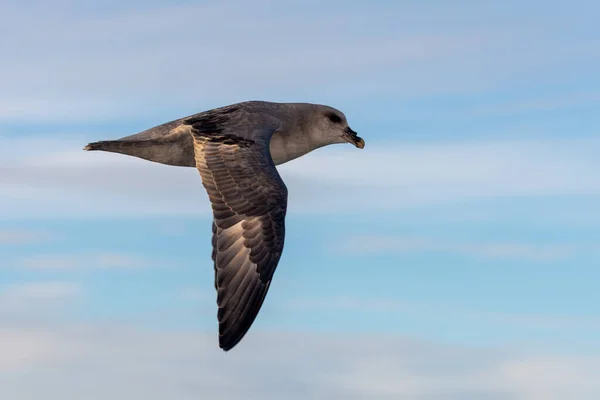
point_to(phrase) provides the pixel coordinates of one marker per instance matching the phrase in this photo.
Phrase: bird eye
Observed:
(334, 118)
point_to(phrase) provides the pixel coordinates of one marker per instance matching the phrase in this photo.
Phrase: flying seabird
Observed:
(236, 148)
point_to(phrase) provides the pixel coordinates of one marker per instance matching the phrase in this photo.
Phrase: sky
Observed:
(454, 257)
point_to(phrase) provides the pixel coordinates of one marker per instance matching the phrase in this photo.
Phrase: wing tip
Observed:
(228, 339)
(226, 344)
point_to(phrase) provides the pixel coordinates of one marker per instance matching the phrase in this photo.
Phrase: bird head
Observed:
(333, 127)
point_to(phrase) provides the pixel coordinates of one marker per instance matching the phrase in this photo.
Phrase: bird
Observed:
(236, 149)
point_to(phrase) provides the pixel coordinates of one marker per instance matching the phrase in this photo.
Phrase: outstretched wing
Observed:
(249, 202)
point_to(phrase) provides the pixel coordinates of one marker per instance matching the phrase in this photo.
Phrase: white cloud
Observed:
(137, 60)
(436, 310)
(49, 180)
(21, 348)
(43, 300)
(196, 295)
(14, 236)
(530, 377)
(537, 104)
(348, 303)
(485, 167)
(132, 363)
(39, 291)
(105, 64)
(22, 299)
(492, 250)
(60, 262)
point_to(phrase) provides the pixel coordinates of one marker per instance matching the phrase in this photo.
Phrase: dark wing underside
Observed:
(249, 202)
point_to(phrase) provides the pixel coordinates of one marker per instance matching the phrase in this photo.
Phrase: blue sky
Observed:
(456, 256)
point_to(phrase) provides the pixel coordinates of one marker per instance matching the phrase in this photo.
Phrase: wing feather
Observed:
(249, 202)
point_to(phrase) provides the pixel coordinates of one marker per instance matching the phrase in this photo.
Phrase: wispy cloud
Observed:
(105, 64)
(148, 52)
(537, 104)
(13, 236)
(83, 262)
(39, 291)
(36, 300)
(398, 307)
(194, 294)
(21, 349)
(348, 303)
(138, 363)
(394, 177)
(482, 249)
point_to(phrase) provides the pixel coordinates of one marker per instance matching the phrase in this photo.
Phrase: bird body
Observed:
(171, 143)
(235, 148)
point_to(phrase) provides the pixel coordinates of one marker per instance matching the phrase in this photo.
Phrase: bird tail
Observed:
(118, 146)
(176, 150)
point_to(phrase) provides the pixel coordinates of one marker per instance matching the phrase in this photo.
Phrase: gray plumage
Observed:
(235, 148)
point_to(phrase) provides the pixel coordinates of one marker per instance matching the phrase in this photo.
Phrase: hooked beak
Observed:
(351, 137)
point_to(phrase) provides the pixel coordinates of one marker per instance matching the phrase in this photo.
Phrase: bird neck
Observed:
(288, 145)
(299, 136)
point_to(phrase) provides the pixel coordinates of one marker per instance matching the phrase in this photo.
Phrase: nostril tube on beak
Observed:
(353, 138)
(350, 131)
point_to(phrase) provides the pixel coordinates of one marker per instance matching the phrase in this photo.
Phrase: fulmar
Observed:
(236, 148)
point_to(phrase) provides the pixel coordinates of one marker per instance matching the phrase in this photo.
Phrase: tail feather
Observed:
(175, 150)
(116, 145)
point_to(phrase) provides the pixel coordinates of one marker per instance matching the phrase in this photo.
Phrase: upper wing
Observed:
(249, 202)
